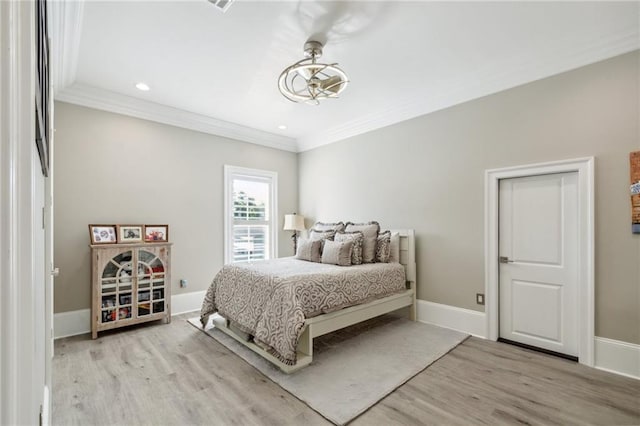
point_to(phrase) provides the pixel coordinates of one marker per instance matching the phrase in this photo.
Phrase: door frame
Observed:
(586, 235)
(21, 389)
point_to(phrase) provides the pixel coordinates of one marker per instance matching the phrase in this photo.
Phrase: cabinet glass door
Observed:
(116, 288)
(151, 279)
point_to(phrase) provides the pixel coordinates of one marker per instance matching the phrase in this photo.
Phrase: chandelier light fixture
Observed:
(310, 81)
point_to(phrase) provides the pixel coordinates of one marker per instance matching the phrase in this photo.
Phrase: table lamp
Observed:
(295, 223)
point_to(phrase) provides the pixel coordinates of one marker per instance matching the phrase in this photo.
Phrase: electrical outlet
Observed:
(183, 283)
(480, 298)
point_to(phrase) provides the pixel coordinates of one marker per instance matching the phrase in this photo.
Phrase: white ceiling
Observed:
(217, 72)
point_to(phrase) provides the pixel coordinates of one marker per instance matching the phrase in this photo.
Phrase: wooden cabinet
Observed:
(131, 283)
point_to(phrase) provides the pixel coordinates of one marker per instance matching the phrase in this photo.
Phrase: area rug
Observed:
(356, 367)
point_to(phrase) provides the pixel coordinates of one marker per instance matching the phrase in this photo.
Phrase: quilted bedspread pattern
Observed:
(271, 299)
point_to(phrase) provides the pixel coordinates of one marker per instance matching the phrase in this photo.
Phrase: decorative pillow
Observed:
(310, 250)
(337, 253)
(316, 234)
(383, 247)
(357, 238)
(394, 256)
(370, 231)
(336, 226)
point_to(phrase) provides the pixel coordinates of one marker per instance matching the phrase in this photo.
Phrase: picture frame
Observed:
(125, 299)
(130, 233)
(42, 93)
(103, 234)
(158, 294)
(156, 233)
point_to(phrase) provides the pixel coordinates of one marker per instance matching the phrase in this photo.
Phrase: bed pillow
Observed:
(337, 252)
(316, 234)
(383, 247)
(357, 238)
(394, 256)
(370, 231)
(335, 226)
(310, 250)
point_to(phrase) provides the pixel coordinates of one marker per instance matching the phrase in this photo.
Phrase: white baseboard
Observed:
(617, 357)
(187, 302)
(613, 356)
(610, 355)
(72, 323)
(46, 407)
(460, 319)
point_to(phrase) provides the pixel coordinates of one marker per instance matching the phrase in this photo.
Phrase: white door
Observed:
(538, 227)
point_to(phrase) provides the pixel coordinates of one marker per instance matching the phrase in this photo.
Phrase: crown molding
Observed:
(521, 71)
(107, 100)
(65, 25)
(66, 19)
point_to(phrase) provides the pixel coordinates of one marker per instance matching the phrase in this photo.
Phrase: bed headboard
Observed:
(408, 252)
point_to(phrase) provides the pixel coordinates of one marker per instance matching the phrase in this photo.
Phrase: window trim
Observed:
(230, 172)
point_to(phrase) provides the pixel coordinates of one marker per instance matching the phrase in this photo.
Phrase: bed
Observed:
(277, 307)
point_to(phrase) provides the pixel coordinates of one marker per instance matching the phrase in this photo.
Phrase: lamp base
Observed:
(294, 237)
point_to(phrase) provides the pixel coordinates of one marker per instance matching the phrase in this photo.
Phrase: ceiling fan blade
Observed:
(305, 73)
(332, 84)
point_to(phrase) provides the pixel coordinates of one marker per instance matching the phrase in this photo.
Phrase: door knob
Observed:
(504, 259)
(55, 272)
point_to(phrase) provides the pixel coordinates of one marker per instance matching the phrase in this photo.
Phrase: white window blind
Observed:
(249, 214)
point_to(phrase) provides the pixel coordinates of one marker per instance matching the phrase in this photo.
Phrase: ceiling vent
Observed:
(223, 5)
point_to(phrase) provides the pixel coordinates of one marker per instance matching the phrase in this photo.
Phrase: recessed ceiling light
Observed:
(282, 127)
(143, 86)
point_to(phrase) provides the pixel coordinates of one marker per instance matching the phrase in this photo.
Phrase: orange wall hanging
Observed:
(635, 191)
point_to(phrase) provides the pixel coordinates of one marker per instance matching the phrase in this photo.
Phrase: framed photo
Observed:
(125, 299)
(102, 234)
(156, 233)
(42, 72)
(130, 233)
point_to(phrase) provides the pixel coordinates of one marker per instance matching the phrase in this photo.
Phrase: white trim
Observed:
(65, 29)
(459, 319)
(610, 355)
(46, 407)
(187, 302)
(617, 357)
(229, 172)
(106, 100)
(73, 323)
(67, 19)
(517, 71)
(21, 360)
(586, 316)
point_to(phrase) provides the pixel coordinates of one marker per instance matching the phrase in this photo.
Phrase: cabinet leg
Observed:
(94, 334)
(168, 319)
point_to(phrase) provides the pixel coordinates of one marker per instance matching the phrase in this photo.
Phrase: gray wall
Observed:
(427, 174)
(110, 168)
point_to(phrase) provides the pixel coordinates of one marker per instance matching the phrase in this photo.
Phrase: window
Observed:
(250, 214)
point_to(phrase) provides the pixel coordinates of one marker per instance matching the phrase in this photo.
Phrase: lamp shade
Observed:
(293, 222)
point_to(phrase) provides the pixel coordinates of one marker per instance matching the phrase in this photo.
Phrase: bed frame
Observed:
(326, 323)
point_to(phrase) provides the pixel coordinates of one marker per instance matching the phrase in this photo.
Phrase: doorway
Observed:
(531, 273)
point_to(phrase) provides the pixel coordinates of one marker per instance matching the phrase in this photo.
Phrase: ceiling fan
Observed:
(310, 81)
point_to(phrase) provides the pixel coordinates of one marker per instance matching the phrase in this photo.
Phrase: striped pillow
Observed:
(309, 250)
(337, 253)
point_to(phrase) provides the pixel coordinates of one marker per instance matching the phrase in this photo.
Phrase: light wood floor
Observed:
(173, 374)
